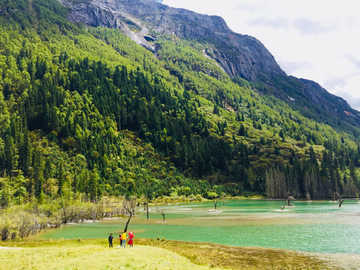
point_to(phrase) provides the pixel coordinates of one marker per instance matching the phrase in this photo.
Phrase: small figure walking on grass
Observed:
(110, 240)
(123, 238)
(131, 239)
(120, 238)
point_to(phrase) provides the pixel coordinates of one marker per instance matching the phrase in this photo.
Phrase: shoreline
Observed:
(206, 253)
(147, 240)
(220, 256)
(232, 220)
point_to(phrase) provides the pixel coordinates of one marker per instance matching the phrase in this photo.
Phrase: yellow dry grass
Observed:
(93, 257)
(149, 254)
(230, 257)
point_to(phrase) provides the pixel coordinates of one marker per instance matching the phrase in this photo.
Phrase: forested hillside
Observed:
(88, 111)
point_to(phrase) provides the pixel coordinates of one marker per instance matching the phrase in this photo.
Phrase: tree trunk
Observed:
(340, 202)
(163, 217)
(65, 216)
(215, 204)
(147, 211)
(4, 234)
(127, 222)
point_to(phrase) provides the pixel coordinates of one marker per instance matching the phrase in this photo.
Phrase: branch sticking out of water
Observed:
(341, 201)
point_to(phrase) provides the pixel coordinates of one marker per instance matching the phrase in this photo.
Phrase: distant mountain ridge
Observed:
(239, 55)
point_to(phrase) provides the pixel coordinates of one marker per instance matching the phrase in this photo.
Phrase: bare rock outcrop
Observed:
(96, 14)
(239, 55)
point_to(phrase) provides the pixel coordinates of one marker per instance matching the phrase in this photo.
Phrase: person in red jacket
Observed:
(131, 239)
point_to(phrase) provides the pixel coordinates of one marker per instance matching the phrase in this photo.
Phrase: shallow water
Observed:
(318, 226)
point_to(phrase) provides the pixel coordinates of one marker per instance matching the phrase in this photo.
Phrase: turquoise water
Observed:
(317, 226)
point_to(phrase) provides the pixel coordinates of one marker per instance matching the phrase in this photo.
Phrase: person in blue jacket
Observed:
(110, 240)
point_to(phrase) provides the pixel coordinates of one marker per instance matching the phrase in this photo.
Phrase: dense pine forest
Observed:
(86, 113)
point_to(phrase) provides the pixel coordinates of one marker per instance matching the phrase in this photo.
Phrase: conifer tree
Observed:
(94, 184)
(38, 171)
(242, 130)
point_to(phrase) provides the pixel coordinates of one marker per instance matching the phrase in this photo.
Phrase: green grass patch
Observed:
(148, 254)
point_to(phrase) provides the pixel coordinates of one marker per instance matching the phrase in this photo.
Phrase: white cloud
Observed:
(303, 25)
(252, 7)
(334, 82)
(276, 23)
(353, 60)
(309, 27)
(290, 67)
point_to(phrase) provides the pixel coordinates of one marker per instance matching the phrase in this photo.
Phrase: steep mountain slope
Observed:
(239, 55)
(87, 111)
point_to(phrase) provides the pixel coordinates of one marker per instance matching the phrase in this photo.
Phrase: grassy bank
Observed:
(148, 254)
(93, 257)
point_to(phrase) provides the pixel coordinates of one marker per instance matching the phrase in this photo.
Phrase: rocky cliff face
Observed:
(239, 55)
(99, 14)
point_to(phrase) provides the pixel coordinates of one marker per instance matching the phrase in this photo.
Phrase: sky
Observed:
(316, 40)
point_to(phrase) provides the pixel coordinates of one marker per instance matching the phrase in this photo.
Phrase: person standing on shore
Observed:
(131, 241)
(110, 240)
(123, 237)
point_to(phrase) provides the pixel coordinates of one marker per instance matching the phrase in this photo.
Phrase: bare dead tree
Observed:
(161, 212)
(341, 201)
(214, 197)
(283, 206)
(92, 212)
(223, 198)
(146, 202)
(149, 196)
(290, 198)
(336, 196)
(129, 206)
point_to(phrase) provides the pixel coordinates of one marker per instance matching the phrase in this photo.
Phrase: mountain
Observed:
(239, 55)
(138, 99)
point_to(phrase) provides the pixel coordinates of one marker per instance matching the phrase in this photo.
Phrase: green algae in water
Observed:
(318, 226)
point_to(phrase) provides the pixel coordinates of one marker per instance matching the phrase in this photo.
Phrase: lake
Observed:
(318, 226)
